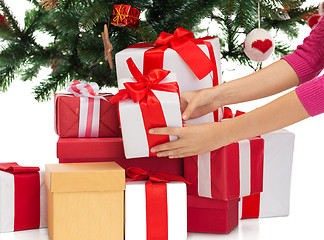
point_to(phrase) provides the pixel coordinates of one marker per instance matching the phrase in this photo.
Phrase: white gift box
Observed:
(186, 79)
(274, 201)
(135, 211)
(7, 202)
(135, 138)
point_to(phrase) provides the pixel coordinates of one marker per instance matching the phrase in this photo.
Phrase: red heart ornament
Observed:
(262, 46)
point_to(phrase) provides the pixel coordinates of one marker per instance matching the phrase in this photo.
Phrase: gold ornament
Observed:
(49, 4)
(108, 46)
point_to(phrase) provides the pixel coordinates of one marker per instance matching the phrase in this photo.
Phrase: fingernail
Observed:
(171, 156)
(153, 150)
(151, 131)
(159, 155)
(184, 117)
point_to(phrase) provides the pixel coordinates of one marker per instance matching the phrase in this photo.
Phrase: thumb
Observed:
(188, 111)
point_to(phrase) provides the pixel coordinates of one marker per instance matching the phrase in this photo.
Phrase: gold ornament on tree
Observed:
(108, 46)
(49, 4)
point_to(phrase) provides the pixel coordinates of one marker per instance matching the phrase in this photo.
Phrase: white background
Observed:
(27, 137)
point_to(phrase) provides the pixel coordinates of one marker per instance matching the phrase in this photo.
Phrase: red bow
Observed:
(14, 168)
(142, 89)
(229, 114)
(183, 43)
(138, 174)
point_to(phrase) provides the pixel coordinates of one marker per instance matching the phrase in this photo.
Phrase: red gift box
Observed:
(212, 215)
(67, 116)
(77, 150)
(125, 16)
(227, 173)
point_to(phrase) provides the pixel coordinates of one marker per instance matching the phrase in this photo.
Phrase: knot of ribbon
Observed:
(14, 168)
(119, 14)
(142, 88)
(179, 37)
(183, 42)
(83, 89)
(138, 174)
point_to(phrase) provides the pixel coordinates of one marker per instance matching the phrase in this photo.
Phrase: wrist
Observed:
(223, 94)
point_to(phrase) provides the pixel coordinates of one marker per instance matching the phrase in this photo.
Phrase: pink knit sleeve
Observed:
(308, 59)
(311, 95)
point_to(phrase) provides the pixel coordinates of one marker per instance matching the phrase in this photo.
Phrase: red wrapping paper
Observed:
(67, 109)
(211, 215)
(225, 171)
(27, 195)
(125, 16)
(78, 150)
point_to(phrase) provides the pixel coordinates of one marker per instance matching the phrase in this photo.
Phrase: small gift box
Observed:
(23, 203)
(85, 201)
(155, 209)
(274, 201)
(227, 173)
(211, 215)
(85, 112)
(125, 16)
(78, 150)
(145, 102)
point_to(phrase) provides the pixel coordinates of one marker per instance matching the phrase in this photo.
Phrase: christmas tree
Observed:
(76, 27)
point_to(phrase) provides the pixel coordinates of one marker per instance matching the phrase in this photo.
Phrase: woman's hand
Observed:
(193, 140)
(198, 103)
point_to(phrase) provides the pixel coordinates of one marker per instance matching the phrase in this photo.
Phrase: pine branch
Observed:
(11, 19)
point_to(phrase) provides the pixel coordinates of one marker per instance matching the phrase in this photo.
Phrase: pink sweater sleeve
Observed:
(311, 95)
(308, 59)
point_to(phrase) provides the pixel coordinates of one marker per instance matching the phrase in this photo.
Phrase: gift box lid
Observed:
(209, 203)
(84, 177)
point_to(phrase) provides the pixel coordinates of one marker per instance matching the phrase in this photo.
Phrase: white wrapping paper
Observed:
(278, 158)
(135, 211)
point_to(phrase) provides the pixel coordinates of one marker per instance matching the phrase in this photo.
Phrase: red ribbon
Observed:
(183, 43)
(27, 195)
(229, 114)
(156, 200)
(141, 91)
(138, 174)
(251, 206)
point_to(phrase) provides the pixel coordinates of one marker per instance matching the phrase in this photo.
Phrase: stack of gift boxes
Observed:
(103, 137)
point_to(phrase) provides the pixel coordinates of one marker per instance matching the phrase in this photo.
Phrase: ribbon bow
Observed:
(14, 168)
(138, 174)
(183, 43)
(83, 89)
(119, 15)
(142, 89)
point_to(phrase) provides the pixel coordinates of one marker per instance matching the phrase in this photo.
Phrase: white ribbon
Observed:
(89, 107)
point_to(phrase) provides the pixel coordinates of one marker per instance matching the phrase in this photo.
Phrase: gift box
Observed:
(80, 115)
(155, 209)
(227, 173)
(79, 150)
(23, 203)
(85, 201)
(274, 201)
(196, 62)
(145, 102)
(125, 16)
(211, 215)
